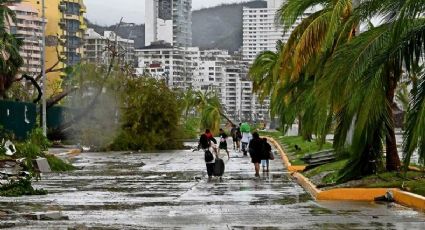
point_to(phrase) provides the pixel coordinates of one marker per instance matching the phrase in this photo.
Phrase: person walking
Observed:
(223, 142)
(205, 144)
(234, 133)
(255, 151)
(246, 138)
(266, 155)
(213, 141)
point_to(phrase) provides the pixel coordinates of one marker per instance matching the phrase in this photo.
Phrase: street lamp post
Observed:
(43, 69)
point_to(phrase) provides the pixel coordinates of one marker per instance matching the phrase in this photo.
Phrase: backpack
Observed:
(238, 133)
(208, 156)
(204, 142)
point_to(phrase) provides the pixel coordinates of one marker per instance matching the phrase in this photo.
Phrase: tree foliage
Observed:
(10, 59)
(150, 116)
(333, 76)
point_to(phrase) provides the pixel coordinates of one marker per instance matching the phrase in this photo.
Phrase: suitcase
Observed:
(218, 167)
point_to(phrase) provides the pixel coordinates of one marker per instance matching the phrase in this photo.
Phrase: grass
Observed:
(305, 147)
(333, 169)
(20, 188)
(411, 181)
(58, 165)
(4, 157)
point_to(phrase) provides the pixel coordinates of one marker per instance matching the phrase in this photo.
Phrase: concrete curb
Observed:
(284, 157)
(351, 194)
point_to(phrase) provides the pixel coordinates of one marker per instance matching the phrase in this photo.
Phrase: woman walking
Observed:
(255, 151)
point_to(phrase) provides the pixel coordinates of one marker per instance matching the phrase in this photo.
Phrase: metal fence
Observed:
(18, 117)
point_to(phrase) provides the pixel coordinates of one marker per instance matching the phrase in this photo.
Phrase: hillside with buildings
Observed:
(218, 27)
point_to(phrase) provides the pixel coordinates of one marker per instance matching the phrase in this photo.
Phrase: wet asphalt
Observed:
(170, 190)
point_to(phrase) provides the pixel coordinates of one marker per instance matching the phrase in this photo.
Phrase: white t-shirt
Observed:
(246, 137)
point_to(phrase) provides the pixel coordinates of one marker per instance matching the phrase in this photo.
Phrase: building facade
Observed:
(260, 31)
(204, 70)
(28, 27)
(169, 21)
(98, 48)
(176, 65)
(64, 34)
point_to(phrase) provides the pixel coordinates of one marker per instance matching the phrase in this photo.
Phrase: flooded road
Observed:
(170, 190)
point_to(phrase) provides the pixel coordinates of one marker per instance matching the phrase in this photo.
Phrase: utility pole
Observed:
(43, 68)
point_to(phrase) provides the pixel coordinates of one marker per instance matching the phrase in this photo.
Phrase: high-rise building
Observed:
(169, 21)
(176, 65)
(204, 70)
(28, 27)
(98, 47)
(260, 31)
(64, 34)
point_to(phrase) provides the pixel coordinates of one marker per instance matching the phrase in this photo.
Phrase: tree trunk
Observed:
(392, 159)
(300, 129)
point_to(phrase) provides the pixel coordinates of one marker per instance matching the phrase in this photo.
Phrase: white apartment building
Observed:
(260, 31)
(169, 21)
(176, 65)
(97, 47)
(211, 70)
(28, 27)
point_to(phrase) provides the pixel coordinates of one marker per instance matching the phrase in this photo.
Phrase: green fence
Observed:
(55, 117)
(18, 117)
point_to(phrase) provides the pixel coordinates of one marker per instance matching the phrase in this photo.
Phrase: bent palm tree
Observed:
(210, 110)
(373, 64)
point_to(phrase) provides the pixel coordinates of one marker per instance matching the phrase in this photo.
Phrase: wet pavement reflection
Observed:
(170, 190)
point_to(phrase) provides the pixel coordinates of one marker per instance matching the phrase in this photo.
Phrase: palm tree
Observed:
(289, 75)
(210, 110)
(10, 59)
(365, 72)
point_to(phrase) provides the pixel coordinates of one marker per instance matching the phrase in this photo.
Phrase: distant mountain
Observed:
(218, 27)
(221, 26)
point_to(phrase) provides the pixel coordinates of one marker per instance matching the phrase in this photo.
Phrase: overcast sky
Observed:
(107, 12)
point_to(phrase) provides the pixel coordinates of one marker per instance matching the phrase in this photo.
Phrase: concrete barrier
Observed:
(409, 199)
(284, 157)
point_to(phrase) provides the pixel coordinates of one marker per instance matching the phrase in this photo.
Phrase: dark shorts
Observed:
(210, 169)
(223, 145)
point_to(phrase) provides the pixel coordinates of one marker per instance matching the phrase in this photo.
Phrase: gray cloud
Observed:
(107, 12)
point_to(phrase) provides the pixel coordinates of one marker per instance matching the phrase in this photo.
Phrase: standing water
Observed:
(169, 189)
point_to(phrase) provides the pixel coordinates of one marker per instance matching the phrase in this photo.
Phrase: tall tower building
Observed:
(260, 31)
(28, 28)
(169, 21)
(64, 34)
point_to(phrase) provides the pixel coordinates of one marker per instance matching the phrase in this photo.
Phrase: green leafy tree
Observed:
(150, 116)
(372, 65)
(210, 110)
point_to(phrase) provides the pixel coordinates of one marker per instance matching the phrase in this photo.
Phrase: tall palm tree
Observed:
(290, 75)
(365, 72)
(10, 59)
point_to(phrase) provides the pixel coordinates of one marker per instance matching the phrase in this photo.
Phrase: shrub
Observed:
(58, 165)
(37, 137)
(20, 188)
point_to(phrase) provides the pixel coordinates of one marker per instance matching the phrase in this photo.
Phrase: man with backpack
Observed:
(205, 144)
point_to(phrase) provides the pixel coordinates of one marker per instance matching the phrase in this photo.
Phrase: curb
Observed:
(285, 159)
(350, 194)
